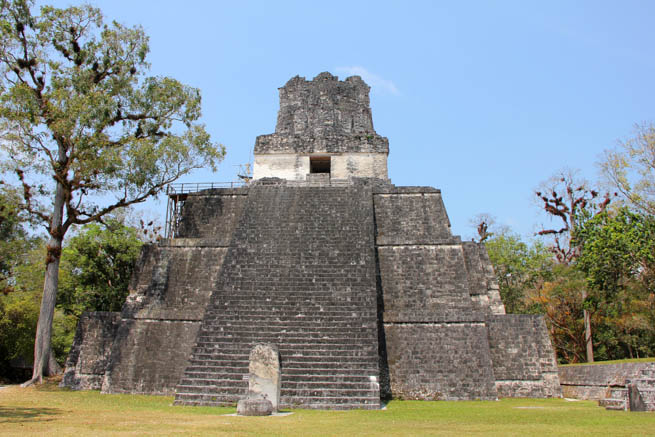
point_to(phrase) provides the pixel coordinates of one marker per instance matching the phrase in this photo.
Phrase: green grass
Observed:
(48, 410)
(630, 360)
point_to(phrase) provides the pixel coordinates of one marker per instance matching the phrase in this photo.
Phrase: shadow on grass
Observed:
(19, 414)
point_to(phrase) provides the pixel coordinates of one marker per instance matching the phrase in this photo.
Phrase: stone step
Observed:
(298, 392)
(321, 402)
(613, 404)
(648, 372)
(239, 347)
(283, 338)
(642, 382)
(286, 378)
(617, 393)
(290, 304)
(308, 404)
(316, 384)
(286, 372)
(364, 384)
(289, 362)
(256, 298)
(274, 320)
(302, 328)
(278, 313)
(223, 390)
(220, 349)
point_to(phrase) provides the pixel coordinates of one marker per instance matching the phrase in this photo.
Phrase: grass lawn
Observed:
(629, 360)
(48, 410)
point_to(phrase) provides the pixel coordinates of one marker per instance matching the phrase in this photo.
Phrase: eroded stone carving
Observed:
(263, 395)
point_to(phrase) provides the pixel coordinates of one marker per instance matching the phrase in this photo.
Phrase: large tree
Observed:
(84, 130)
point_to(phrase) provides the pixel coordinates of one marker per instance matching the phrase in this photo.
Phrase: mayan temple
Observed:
(359, 283)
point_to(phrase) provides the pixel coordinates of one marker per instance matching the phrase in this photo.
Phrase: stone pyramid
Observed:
(359, 283)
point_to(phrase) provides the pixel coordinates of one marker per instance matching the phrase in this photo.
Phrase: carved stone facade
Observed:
(359, 283)
(326, 120)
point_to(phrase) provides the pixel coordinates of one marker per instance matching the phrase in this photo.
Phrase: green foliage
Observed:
(618, 249)
(99, 262)
(560, 301)
(14, 242)
(19, 312)
(618, 260)
(520, 267)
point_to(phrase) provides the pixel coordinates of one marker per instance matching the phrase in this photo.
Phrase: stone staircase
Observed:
(637, 394)
(300, 274)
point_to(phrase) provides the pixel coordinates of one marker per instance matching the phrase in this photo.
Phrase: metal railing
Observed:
(194, 187)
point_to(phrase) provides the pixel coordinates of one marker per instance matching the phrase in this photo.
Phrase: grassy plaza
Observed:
(49, 410)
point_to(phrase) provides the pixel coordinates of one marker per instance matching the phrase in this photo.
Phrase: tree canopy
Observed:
(630, 168)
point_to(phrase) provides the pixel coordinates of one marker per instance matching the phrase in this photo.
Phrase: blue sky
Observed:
(481, 99)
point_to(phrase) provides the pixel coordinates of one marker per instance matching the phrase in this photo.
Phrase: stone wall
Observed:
(592, 381)
(436, 342)
(89, 354)
(343, 166)
(483, 286)
(161, 318)
(211, 215)
(324, 106)
(411, 215)
(524, 364)
(439, 361)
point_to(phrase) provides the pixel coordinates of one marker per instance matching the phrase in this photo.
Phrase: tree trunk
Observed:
(587, 336)
(43, 364)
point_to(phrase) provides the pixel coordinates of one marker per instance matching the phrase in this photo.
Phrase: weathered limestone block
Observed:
(173, 283)
(211, 214)
(411, 215)
(596, 381)
(149, 356)
(483, 285)
(89, 354)
(264, 377)
(523, 359)
(327, 117)
(434, 361)
(254, 407)
(264, 374)
(425, 283)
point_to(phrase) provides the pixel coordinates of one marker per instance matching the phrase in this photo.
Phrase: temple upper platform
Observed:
(324, 127)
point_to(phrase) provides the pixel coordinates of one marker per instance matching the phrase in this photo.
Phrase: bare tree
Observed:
(570, 201)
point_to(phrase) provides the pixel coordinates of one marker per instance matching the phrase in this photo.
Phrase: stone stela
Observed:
(358, 283)
(263, 396)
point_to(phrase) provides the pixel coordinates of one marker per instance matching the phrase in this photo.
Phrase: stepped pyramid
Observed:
(359, 283)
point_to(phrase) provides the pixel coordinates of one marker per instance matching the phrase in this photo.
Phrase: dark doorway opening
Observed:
(319, 164)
